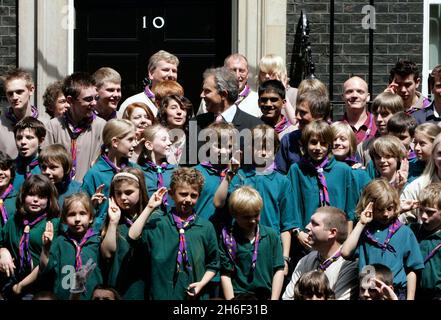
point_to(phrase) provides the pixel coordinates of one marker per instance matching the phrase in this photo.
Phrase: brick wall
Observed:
(8, 38)
(398, 33)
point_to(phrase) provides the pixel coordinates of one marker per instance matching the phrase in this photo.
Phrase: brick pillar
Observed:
(8, 39)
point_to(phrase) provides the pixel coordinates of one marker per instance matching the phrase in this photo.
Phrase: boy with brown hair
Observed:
(19, 88)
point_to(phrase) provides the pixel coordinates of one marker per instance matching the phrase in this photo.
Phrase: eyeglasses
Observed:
(89, 99)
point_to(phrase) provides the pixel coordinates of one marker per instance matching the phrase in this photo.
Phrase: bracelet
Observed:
(287, 259)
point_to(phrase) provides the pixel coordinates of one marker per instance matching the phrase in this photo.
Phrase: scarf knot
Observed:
(24, 244)
(74, 132)
(159, 169)
(231, 245)
(321, 179)
(182, 225)
(79, 246)
(393, 228)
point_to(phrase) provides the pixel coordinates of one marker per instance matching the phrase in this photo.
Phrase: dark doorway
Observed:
(123, 34)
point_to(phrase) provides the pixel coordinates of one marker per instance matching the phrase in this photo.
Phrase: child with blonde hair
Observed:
(379, 237)
(73, 251)
(422, 145)
(119, 142)
(251, 253)
(153, 159)
(389, 161)
(275, 189)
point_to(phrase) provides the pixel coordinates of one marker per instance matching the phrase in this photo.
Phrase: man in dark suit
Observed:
(220, 91)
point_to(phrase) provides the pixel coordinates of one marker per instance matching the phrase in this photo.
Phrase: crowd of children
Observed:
(101, 204)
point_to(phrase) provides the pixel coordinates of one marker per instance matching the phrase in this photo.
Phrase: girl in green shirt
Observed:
(20, 239)
(125, 263)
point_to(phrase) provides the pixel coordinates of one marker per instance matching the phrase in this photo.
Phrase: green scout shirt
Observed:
(12, 233)
(60, 269)
(9, 205)
(151, 178)
(21, 169)
(341, 188)
(205, 205)
(269, 260)
(406, 258)
(66, 190)
(100, 173)
(275, 189)
(430, 278)
(126, 270)
(162, 239)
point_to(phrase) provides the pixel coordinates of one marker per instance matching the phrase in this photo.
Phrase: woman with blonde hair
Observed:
(272, 67)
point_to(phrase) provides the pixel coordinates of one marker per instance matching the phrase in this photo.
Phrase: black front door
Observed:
(123, 34)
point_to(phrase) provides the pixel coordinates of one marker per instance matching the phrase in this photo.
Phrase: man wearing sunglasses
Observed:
(271, 102)
(79, 129)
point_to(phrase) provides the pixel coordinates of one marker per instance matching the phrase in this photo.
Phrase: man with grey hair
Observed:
(162, 66)
(247, 99)
(220, 91)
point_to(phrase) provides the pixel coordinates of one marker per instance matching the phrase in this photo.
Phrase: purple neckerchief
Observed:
(425, 104)
(411, 155)
(182, 225)
(74, 133)
(24, 245)
(230, 243)
(432, 253)
(30, 167)
(393, 227)
(79, 246)
(11, 116)
(127, 222)
(159, 171)
(112, 165)
(323, 187)
(243, 94)
(282, 125)
(149, 93)
(221, 172)
(325, 264)
(2, 206)
(350, 161)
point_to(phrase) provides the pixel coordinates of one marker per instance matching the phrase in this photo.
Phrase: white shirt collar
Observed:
(229, 114)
